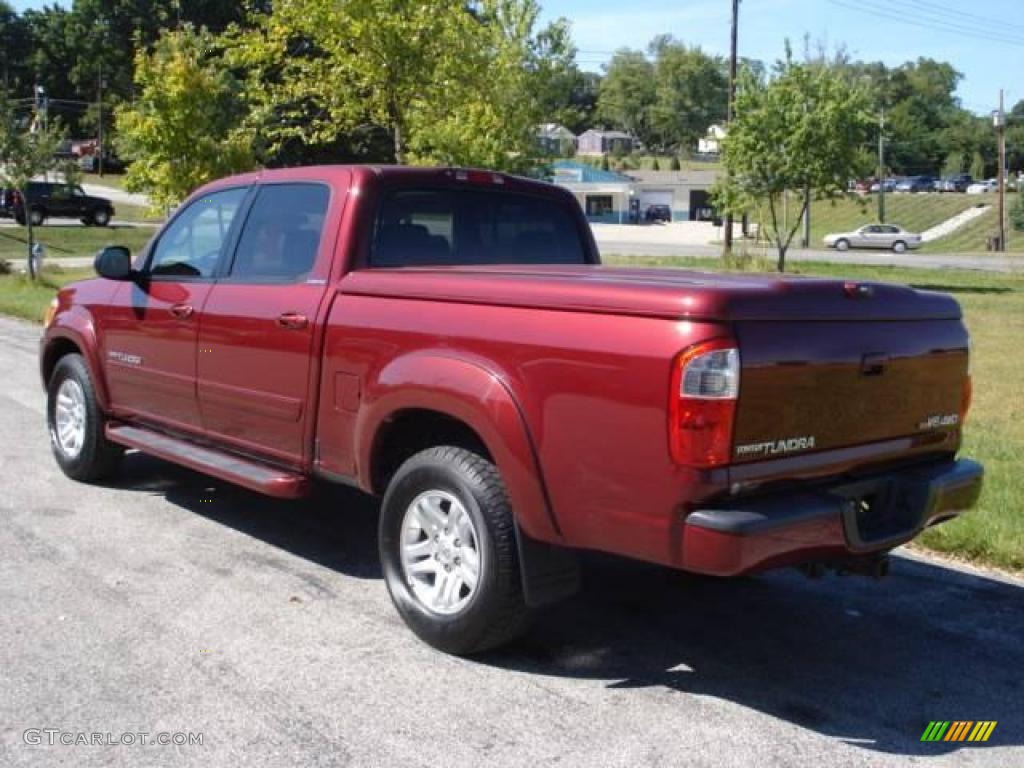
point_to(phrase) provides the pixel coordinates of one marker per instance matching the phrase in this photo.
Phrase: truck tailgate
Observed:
(815, 385)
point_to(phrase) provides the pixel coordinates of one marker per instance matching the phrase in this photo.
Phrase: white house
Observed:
(711, 143)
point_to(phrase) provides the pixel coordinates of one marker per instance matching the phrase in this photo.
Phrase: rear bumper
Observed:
(827, 523)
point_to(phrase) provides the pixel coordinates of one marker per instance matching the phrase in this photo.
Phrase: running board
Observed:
(250, 474)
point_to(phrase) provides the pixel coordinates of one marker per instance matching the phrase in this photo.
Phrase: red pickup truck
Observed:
(448, 339)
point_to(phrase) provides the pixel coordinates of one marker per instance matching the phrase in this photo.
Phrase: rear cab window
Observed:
(438, 227)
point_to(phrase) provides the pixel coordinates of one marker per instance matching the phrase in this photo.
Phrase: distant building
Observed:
(598, 142)
(617, 198)
(711, 144)
(555, 139)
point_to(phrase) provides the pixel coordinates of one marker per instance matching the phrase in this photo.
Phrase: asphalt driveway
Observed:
(170, 602)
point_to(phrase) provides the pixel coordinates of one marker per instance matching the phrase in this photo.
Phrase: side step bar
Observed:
(250, 474)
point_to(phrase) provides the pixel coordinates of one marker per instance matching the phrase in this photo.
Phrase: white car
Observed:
(983, 187)
(887, 236)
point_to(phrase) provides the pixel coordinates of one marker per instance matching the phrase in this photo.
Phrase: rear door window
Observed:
(444, 227)
(281, 236)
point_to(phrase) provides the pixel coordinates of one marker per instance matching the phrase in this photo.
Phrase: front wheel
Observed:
(75, 423)
(842, 245)
(448, 551)
(37, 217)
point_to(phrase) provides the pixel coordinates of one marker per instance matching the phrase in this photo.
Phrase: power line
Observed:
(899, 15)
(937, 9)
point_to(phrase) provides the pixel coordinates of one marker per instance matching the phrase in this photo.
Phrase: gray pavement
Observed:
(166, 601)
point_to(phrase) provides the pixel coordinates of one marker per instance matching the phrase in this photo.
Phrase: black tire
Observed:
(100, 217)
(496, 612)
(38, 216)
(842, 244)
(899, 247)
(98, 457)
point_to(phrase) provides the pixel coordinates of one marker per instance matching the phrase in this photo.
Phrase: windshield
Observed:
(434, 227)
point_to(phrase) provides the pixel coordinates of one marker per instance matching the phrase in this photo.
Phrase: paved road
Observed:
(168, 602)
(983, 262)
(63, 222)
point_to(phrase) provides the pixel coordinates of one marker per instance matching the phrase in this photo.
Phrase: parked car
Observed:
(983, 187)
(958, 183)
(889, 185)
(916, 184)
(46, 199)
(887, 236)
(448, 340)
(655, 213)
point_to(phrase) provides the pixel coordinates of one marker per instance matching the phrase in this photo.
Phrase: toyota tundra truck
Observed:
(449, 340)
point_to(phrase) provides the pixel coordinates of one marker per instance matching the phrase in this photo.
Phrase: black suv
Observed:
(658, 213)
(47, 199)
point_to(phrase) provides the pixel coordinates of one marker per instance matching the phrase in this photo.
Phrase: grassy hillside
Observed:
(913, 212)
(971, 237)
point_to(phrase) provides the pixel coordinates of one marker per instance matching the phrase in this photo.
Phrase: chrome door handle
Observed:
(292, 321)
(182, 311)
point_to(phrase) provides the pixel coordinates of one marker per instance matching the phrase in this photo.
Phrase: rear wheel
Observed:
(448, 550)
(899, 246)
(101, 217)
(37, 216)
(76, 422)
(842, 245)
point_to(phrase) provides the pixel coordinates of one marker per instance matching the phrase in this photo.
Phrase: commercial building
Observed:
(622, 198)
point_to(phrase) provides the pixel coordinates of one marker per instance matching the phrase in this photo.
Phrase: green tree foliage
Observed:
(628, 93)
(978, 166)
(954, 164)
(674, 164)
(27, 148)
(15, 49)
(448, 83)
(691, 93)
(801, 129)
(1017, 212)
(183, 128)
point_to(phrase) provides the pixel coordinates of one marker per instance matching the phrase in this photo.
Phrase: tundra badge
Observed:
(776, 447)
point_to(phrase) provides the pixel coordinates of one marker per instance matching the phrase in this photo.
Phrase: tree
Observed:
(27, 150)
(448, 82)
(978, 166)
(954, 164)
(1017, 212)
(183, 130)
(15, 49)
(691, 93)
(628, 93)
(802, 129)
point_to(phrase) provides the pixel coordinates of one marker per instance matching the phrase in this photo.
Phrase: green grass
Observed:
(915, 213)
(115, 180)
(28, 300)
(71, 241)
(993, 305)
(971, 237)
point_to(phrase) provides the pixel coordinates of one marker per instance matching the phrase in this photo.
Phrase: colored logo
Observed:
(958, 730)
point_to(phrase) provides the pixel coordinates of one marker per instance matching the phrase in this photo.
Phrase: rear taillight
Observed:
(702, 403)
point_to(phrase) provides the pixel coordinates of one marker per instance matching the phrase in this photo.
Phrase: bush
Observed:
(1017, 212)
(675, 165)
(5, 267)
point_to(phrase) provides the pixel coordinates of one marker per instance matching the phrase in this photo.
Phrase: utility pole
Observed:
(999, 120)
(881, 167)
(727, 238)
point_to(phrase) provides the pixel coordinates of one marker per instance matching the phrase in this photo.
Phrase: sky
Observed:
(983, 39)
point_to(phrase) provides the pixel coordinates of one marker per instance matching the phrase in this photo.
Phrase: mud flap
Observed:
(550, 573)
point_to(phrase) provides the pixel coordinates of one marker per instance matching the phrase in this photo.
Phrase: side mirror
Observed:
(114, 263)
